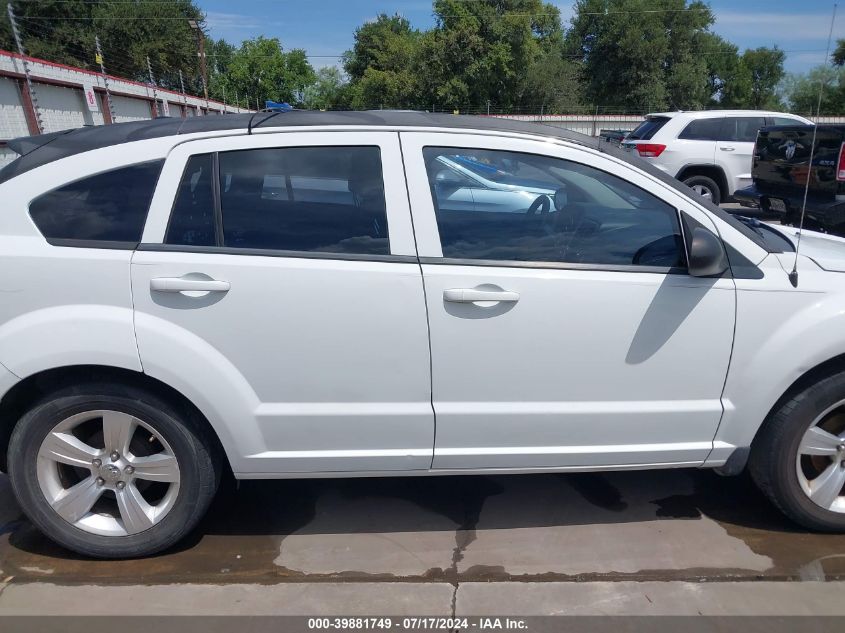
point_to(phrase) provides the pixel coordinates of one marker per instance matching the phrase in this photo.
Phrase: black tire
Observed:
(708, 183)
(199, 467)
(772, 462)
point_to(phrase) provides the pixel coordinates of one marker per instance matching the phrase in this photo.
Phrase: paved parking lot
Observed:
(422, 538)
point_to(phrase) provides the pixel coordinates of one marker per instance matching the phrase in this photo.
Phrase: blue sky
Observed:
(324, 28)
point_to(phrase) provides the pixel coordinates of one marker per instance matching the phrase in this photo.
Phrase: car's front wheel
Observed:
(798, 460)
(112, 471)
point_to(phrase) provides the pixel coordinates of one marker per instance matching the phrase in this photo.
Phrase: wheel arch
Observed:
(25, 393)
(714, 172)
(738, 460)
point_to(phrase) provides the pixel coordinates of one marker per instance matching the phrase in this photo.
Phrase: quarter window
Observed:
(109, 207)
(526, 207)
(316, 199)
(702, 130)
(192, 218)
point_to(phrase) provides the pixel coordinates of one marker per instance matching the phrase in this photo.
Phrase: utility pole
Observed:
(102, 64)
(38, 122)
(201, 54)
(153, 84)
(184, 96)
(488, 107)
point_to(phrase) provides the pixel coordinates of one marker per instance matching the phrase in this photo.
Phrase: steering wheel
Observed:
(541, 204)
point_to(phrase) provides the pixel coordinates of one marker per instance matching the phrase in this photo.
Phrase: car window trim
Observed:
(543, 264)
(509, 263)
(267, 252)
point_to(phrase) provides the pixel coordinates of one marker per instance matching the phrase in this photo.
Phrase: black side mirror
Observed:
(447, 179)
(707, 256)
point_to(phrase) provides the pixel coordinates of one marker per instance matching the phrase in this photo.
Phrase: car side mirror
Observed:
(448, 179)
(707, 256)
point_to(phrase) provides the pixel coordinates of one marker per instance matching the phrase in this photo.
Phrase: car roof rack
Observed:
(270, 107)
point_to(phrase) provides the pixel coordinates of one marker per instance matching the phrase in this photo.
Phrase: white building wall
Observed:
(12, 116)
(128, 109)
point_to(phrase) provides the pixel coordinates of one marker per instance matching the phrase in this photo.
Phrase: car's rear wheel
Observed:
(798, 460)
(705, 187)
(112, 471)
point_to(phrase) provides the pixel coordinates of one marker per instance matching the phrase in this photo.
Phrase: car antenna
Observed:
(793, 276)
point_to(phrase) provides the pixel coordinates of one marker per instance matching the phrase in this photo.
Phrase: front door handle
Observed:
(727, 149)
(186, 284)
(471, 295)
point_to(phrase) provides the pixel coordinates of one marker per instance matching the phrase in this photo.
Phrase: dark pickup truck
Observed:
(781, 166)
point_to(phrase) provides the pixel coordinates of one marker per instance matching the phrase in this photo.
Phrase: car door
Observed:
(284, 293)
(571, 338)
(735, 149)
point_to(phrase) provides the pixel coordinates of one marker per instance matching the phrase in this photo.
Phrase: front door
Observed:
(565, 331)
(287, 272)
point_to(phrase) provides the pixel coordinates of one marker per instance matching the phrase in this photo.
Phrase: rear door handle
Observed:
(182, 284)
(727, 149)
(471, 295)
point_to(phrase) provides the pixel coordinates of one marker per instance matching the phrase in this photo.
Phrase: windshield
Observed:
(647, 128)
(773, 238)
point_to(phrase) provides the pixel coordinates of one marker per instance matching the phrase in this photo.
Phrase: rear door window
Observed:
(313, 199)
(741, 129)
(702, 130)
(108, 207)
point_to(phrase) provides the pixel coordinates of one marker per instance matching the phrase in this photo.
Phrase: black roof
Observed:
(45, 148)
(36, 151)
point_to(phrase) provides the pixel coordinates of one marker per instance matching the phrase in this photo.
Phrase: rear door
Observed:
(565, 333)
(284, 289)
(735, 149)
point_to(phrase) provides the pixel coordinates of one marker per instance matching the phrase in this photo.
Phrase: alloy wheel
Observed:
(108, 473)
(703, 191)
(821, 459)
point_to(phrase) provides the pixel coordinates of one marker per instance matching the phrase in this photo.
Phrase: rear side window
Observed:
(742, 129)
(312, 199)
(702, 130)
(647, 129)
(109, 207)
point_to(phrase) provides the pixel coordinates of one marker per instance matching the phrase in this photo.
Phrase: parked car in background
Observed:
(780, 171)
(710, 151)
(391, 293)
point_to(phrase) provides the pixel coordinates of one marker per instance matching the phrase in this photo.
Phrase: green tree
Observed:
(129, 32)
(802, 91)
(379, 64)
(496, 51)
(766, 68)
(330, 91)
(261, 70)
(643, 54)
(728, 79)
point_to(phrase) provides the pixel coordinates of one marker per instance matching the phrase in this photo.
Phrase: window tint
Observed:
(702, 130)
(322, 199)
(648, 128)
(742, 129)
(192, 218)
(109, 207)
(525, 207)
(782, 120)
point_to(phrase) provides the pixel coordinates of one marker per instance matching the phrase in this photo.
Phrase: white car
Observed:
(291, 296)
(709, 151)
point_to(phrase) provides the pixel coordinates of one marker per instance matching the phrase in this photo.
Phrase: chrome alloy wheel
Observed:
(108, 473)
(821, 459)
(703, 191)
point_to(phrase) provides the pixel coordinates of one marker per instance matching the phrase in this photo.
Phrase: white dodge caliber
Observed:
(308, 294)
